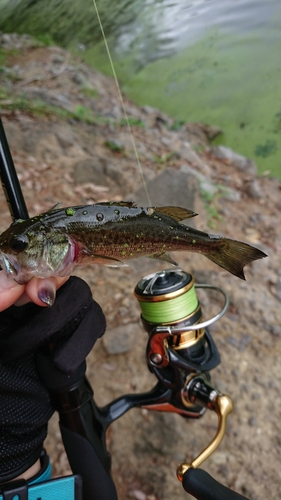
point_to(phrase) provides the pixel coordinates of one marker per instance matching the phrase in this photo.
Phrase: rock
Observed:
(212, 132)
(230, 194)
(80, 79)
(171, 187)
(188, 154)
(208, 188)
(52, 98)
(10, 41)
(99, 171)
(14, 135)
(252, 421)
(253, 188)
(278, 288)
(206, 185)
(238, 161)
(275, 330)
(90, 170)
(138, 495)
(121, 339)
(65, 136)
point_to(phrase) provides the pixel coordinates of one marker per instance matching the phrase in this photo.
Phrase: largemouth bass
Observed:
(51, 244)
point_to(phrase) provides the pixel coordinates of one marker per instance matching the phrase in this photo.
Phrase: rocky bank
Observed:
(66, 130)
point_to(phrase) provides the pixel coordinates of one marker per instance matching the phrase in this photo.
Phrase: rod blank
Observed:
(10, 181)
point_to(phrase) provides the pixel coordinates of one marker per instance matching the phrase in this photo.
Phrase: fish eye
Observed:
(18, 243)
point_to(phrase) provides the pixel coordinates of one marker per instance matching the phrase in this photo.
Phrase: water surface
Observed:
(216, 61)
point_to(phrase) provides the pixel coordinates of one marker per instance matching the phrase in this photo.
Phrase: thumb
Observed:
(43, 291)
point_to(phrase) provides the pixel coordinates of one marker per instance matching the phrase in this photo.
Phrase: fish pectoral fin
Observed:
(163, 256)
(177, 213)
(106, 261)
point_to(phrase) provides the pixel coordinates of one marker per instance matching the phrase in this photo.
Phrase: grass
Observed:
(115, 146)
(177, 125)
(210, 205)
(39, 108)
(44, 39)
(132, 121)
(3, 56)
(163, 160)
(90, 92)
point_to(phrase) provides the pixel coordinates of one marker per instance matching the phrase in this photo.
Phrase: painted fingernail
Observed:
(47, 292)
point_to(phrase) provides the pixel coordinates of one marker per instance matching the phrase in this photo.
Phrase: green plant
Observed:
(164, 159)
(210, 204)
(177, 125)
(2, 57)
(83, 114)
(45, 39)
(198, 148)
(39, 108)
(266, 149)
(278, 122)
(90, 92)
(115, 146)
(133, 122)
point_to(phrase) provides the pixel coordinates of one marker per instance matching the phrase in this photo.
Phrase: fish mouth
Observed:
(10, 265)
(44, 269)
(12, 268)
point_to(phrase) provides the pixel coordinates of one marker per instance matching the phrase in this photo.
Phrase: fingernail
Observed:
(47, 292)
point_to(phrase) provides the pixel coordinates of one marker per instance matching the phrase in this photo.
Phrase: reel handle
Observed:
(223, 406)
(202, 486)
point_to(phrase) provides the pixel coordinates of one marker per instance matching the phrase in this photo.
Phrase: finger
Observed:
(43, 291)
(10, 291)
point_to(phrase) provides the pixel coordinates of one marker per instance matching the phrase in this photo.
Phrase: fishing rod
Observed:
(9, 180)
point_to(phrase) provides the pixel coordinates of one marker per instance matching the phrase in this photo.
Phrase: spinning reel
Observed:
(181, 351)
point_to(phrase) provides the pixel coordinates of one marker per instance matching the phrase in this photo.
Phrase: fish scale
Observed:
(53, 243)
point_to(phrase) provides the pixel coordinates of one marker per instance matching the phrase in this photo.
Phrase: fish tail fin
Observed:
(233, 255)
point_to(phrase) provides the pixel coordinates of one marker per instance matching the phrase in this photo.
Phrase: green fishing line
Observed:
(170, 310)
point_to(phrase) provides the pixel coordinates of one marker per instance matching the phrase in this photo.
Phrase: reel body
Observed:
(172, 317)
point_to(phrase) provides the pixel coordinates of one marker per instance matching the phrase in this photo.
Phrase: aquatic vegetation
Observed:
(266, 149)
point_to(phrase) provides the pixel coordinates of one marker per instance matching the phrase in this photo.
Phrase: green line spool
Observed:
(168, 298)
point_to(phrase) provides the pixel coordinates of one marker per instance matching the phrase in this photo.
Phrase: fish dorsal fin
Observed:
(176, 213)
(54, 207)
(128, 204)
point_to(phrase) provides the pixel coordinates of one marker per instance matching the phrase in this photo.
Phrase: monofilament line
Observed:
(122, 102)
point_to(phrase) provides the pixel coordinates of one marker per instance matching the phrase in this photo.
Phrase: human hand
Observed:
(71, 328)
(40, 291)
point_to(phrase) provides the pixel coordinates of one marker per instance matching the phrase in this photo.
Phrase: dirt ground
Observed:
(87, 157)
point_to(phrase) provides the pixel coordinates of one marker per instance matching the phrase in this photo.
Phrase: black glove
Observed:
(68, 330)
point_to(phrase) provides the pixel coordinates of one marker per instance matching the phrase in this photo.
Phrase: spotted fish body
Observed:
(51, 244)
